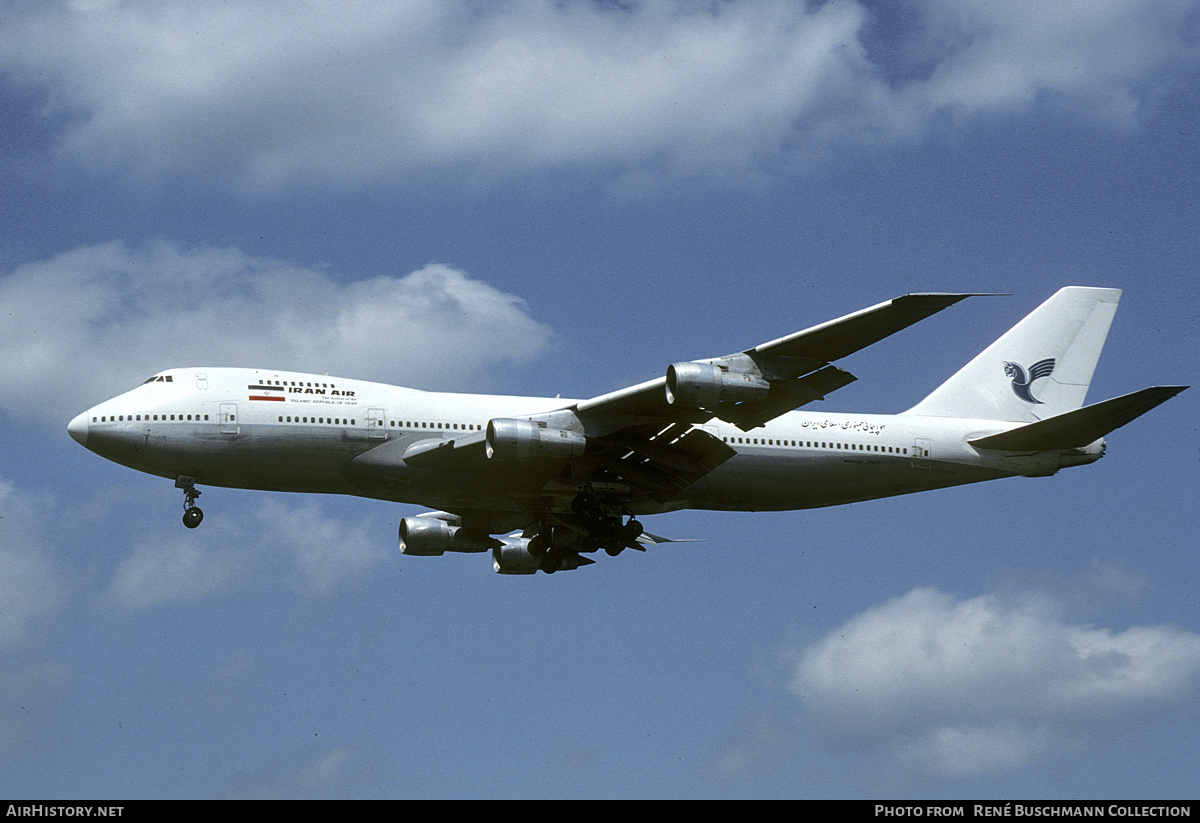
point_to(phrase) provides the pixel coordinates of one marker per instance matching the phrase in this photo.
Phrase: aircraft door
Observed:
(227, 416)
(920, 455)
(376, 421)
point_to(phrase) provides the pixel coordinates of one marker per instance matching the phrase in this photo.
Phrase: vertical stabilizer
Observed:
(1040, 368)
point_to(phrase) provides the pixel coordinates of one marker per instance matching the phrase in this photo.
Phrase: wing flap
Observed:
(664, 464)
(785, 396)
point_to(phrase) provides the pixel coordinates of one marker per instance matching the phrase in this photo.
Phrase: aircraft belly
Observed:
(383, 473)
(765, 482)
(254, 458)
(441, 491)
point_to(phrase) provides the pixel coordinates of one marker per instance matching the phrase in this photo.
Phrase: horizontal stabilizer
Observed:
(1076, 429)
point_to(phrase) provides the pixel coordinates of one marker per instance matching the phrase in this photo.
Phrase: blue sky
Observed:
(562, 198)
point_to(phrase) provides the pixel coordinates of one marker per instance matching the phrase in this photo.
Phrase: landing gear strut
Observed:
(607, 528)
(561, 541)
(191, 512)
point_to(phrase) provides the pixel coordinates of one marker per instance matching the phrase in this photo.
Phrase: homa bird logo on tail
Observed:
(1021, 383)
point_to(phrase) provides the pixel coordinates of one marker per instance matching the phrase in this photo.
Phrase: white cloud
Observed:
(34, 592)
(349, 94)
(1100, 54)
(967, 752)
(31, 585)
(308, 773)
(97, 320)
(327, 769)
(956, 687)
(324, 551)
(170, 568)
(299, 544)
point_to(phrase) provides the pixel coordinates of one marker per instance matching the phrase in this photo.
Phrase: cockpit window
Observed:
(159, 378)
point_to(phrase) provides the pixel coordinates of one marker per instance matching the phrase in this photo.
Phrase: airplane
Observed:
(542, 483)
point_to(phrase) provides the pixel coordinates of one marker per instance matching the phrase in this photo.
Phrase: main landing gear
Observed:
(606, 529)
(191, 512)
(602, 527)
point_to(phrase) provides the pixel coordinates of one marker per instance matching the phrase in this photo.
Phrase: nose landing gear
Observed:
(191, 512)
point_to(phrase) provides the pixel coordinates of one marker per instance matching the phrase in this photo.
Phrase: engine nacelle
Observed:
(705, 385)
(519, 441)
(513, 557)
(431, 537)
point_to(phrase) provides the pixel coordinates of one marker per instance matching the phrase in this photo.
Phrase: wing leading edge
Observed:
(752, 387)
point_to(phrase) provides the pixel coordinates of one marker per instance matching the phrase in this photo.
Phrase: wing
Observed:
(641, 447)
(645, 435)
(752, 387)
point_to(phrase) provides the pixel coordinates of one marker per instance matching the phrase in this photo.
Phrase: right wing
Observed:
(646, 436)
(647, 440)
(753, 387)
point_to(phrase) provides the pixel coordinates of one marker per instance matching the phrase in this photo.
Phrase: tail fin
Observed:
(1040, 368)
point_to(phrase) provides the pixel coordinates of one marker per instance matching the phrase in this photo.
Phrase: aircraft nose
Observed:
(78, 429)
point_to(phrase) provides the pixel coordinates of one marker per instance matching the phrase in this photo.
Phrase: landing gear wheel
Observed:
(192, 517)
(539, 544)
(632, 531)
(616, 538)
(584, 503)
(191, 513)
(552, 562)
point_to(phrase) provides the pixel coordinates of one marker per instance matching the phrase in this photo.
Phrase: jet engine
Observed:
(704, 385)
(513, 557)
(520, 441)
(431, 537)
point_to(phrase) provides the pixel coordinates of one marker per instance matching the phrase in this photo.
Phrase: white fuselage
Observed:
(282, 431)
